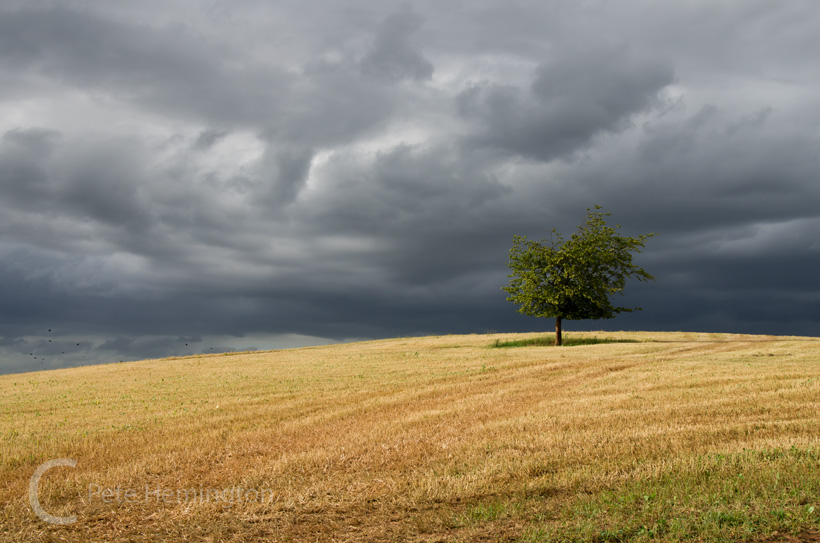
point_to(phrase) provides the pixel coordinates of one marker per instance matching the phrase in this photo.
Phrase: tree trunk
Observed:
(558, 331)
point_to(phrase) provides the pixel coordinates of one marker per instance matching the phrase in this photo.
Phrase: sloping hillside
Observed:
(677, 436)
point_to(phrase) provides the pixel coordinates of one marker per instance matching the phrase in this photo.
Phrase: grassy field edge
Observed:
(667, 437)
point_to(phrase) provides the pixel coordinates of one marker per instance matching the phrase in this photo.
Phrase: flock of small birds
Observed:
(42, 360)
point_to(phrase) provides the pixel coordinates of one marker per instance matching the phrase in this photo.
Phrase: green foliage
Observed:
(574, 278)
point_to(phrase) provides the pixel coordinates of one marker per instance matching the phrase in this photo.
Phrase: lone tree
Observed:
(575, 278)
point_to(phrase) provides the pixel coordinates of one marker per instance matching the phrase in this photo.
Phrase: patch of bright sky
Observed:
(403, 132)
(313, 181)
(263, 342)
(232, 152)
(453, 74)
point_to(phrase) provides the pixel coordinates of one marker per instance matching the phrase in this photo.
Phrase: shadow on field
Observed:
(803, 537)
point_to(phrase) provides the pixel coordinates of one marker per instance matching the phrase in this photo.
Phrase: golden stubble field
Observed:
(678, 436)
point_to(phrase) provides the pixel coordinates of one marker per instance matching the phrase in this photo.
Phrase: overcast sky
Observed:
(237, 174)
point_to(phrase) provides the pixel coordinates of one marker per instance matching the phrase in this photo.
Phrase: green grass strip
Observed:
(549, 341)
(746, 496)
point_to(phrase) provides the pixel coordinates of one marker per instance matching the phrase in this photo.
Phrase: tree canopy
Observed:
(574, 278)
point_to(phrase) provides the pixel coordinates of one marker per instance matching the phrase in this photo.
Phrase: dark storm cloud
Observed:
(253, 175)
(287, 171)
(710, 174)
(32, 141)
(208, 137)
(171, 70)
(430, 202)
(571, 100)
(393, 56)
(174, 71)
(24, 181)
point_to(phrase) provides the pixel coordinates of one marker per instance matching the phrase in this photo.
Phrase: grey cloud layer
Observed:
(571, 100)
(359, 171)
